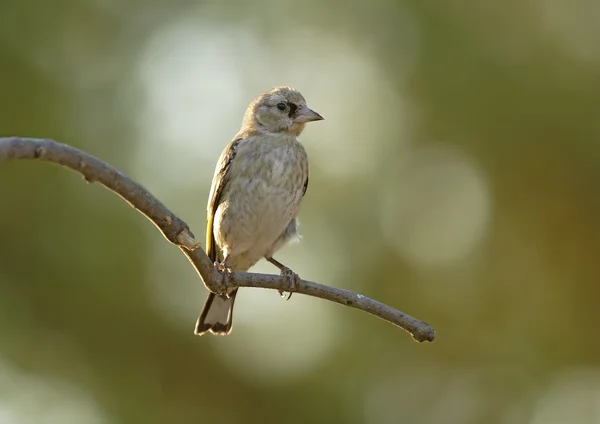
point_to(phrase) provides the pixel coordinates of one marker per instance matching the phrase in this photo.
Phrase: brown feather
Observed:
(216, 190)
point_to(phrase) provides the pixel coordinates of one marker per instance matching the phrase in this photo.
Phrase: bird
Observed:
(254, 200)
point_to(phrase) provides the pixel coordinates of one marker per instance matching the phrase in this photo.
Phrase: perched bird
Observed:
(255, 196)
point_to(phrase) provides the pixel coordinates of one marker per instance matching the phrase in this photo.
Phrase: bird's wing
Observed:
(305, 185)
(219, 183)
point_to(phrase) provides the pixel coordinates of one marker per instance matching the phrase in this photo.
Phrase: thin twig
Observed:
(178, 232)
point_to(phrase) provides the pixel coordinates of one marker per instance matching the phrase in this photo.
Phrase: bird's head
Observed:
(280, 110)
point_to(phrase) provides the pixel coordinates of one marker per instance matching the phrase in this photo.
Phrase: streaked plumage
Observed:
(255, 196)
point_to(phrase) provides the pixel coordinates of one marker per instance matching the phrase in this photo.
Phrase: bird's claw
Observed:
(227, 274)
(292, 279)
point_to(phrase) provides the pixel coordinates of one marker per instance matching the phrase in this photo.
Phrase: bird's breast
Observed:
(277, 183)
(263, 196)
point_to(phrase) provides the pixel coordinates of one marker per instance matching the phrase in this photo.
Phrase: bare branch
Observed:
(177, 232)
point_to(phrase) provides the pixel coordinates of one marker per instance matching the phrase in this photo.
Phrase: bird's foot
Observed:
(292, 279)
(227, 274)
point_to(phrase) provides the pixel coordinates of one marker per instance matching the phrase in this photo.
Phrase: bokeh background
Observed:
(455, 178)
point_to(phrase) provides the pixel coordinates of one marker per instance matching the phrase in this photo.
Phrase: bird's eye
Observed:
(281, 106)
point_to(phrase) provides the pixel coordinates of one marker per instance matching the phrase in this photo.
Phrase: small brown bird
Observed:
(255, 196)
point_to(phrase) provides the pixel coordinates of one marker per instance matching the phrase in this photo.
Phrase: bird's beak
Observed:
(304, 114)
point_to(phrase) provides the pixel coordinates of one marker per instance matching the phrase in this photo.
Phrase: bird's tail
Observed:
(216, 315)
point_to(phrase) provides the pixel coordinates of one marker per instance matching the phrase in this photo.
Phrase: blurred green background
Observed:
(455, 178)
